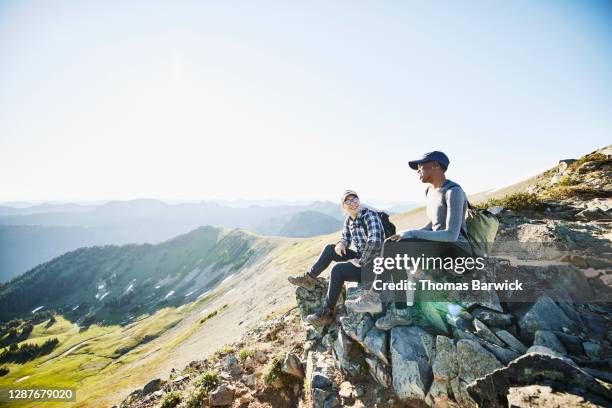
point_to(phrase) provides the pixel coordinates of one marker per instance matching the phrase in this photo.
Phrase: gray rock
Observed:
(223, 395)
(544, 315)
(493, 389)
(505, 355)
(492, 318)
(332, 401)
(357, 325)
(318, 397)
(378, 371)
(152, 386)
(549, 352)
(459, 322)
(292, 365)
(548, 339)
(411, 350)
(572, 343)
(484, 332)
(593, 350)
(309, 302)
(474, 361)
(348, 356)
(445, 369)
(511, 341)
(375, 343)
(319, 371)
(232, 366)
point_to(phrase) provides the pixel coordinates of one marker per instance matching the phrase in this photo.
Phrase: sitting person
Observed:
(364, 228)
(445, 235)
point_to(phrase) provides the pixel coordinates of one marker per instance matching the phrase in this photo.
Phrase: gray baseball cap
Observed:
(430, 156)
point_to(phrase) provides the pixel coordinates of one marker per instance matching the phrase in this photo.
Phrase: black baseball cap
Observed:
(430, 156)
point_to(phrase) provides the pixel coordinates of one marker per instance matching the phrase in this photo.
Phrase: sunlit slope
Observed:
(114, 284)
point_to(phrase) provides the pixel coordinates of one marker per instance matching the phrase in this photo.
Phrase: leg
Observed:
(340, 273)
(327, 256)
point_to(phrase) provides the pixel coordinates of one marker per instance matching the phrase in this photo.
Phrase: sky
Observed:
(294, 100)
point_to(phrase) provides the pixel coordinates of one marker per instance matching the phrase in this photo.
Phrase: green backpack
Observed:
(482, 226)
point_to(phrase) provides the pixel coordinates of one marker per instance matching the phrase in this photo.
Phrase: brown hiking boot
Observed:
(305, 280)
(323, 317)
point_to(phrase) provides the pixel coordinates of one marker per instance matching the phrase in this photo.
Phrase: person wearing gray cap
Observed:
(363, 228)
(444, 235)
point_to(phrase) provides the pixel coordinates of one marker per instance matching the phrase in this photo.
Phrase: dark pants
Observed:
(343, 271)
(414, 247)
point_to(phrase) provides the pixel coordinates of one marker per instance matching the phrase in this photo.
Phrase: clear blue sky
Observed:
(294, 100)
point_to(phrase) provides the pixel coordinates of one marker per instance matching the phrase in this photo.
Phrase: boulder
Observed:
(357, 325)
(492, 318)
(375, 343)
(445, 370)
(411, 353)
(292, 365)
(152, 386)
(514, 343)
(485, 333)
(222, 395)
(348, 356)
(309, 301)
(474, 361)
(232, 366)
(573, 344)
(378, 371)
(548, 339)
(544, 315)
(505, 355)
(536, 368)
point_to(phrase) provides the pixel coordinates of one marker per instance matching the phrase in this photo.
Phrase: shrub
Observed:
(171, 399)
(203, 385)
(515, 202)
(244, 353)
(274, 371)
(4, 371)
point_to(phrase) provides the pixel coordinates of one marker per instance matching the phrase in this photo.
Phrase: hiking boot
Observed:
(305, 280)
(369, 301)
(394, 317)
(323, 317)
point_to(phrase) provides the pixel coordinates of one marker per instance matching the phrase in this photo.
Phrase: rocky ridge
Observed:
(494, 352)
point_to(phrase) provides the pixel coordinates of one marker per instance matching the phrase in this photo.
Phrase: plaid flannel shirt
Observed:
(368, 244)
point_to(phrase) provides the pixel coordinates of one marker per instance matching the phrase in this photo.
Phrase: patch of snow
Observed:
(228, 292)
(157, 286)
(103, 295)
(23, 378)
(204, 311)
(226, 279)
(37, 309)
(75, 308)
(169, 294)
(190, 293)
(204, 294)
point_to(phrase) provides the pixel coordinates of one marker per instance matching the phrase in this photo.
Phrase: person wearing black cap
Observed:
(444, 235)
(363, 228)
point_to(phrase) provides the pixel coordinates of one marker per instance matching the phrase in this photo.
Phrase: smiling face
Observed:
(428, 170)
(351, 204)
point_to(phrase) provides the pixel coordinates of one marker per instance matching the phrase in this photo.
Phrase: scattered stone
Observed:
(232, 366)
(548, 339)
(357, 325)
(375, 343)
(223, 395)
(378, 371)
(484, 332)
(511, 341)
(292, 365)
(260, 356)
(411, 350)
(346, 390)
(474, 361)
(152, 386)
(505, 355)
(544, 315)
(492, 318)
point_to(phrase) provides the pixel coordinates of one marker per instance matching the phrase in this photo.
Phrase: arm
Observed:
(409, 233)
(375, 238)
(455, 199)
